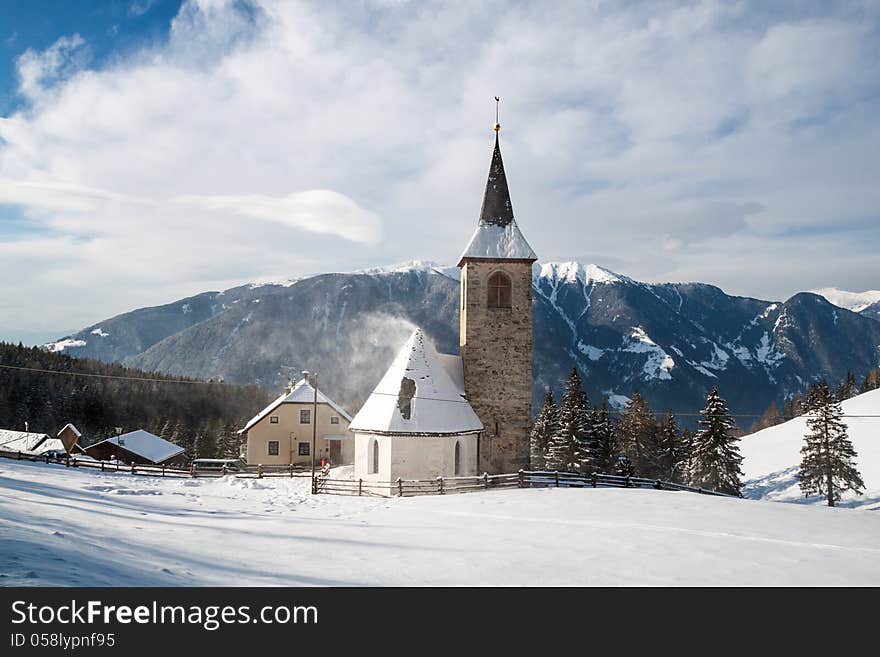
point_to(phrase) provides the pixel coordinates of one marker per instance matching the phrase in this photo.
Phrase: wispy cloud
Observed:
(709, 140)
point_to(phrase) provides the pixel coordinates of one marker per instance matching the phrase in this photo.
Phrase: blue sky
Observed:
(151, 150)
(110, 27)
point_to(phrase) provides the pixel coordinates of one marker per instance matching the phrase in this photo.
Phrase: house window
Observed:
(305, 416)
(273, 419)
(334, 420)
(499, 290)
(374, 462)
(457, 469)
(273, 448)
(303, 449)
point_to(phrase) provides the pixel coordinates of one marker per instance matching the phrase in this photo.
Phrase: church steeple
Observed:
(497, 236)
(497, 209)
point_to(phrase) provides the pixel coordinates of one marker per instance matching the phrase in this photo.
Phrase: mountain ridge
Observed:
(672, 341)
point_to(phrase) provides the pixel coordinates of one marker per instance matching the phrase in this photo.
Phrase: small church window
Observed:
(457, 458)
(374, 464)
(500, 295)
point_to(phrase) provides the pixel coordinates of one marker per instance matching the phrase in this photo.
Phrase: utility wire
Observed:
(111, 376)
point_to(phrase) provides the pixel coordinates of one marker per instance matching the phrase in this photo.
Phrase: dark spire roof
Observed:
(497, 209)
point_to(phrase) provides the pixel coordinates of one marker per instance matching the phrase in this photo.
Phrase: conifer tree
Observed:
(545, 427)
(716, 460)
(849, 388)
(604, 442)
(637, 436)
(828, 464)
(771, 417)
(672, 452)
(871, 382)
(569, 448)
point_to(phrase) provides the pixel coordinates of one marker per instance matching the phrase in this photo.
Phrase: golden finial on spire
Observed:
(497, 124)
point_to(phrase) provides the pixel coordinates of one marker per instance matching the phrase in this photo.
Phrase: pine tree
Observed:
(828, 465)
(871, 382)
(849, 388)
(771, 417)
(569, 448)
(637, 436)
(604, 442)
(716, 459)
(545, 427)
(672, 451)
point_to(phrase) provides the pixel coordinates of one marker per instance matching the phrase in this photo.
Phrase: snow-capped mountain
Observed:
(672, 342)
(865, 303)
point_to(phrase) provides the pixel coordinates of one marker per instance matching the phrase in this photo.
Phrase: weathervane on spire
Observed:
(497, 124)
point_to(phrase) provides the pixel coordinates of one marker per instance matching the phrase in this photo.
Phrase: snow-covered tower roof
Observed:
(497, 236)
(417, 396)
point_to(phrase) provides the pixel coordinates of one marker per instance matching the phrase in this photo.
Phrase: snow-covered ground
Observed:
(60, 526)
(771, 457)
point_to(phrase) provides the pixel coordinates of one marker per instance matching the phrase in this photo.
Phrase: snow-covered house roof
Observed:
(417, 396)
(26, 442)
(70, 426)
(144, 444)
(301, 393)
(497, 236)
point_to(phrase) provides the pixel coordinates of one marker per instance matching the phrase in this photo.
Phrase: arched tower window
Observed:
(500, 294)
(457, 458)
(374, 457)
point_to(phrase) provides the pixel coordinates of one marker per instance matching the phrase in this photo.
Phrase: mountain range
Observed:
(670, 341)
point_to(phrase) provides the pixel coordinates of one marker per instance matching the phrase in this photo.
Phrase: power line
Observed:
(111, 376)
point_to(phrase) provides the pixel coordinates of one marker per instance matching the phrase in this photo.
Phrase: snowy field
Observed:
(771, 458)
(60, 526)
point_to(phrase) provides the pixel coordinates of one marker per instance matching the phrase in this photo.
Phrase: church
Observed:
(438, 414)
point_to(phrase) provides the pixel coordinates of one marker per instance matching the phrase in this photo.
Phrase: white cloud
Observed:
(713, 141)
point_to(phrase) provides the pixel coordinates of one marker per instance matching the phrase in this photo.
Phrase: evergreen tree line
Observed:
(572, 436)
(201, 418)
(794, 406)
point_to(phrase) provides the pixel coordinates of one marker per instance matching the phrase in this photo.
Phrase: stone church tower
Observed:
(496, 327)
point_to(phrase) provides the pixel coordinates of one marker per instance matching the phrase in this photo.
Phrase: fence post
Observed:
(314, 481)
(223, 471)
(485, 480)
(440, 485)
(658, 485)
(66, 460)
(163, 469)
(47, 458)
(192, 469)
(260, 473)
(291, 470)
(522, 478)
(399, 487)
(132, 467)
(74, 463)
(360, 486)
(627, 483)
(557, 478)
(699, 490)
(18, 456)
(595, 480)
(102, 466)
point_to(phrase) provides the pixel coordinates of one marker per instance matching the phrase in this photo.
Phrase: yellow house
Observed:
(281, 433)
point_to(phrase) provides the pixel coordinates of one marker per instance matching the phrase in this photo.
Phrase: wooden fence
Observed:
(522, 479)
(255, 471)
(398, 488)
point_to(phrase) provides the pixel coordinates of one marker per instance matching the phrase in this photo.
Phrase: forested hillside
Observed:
(100, 397)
